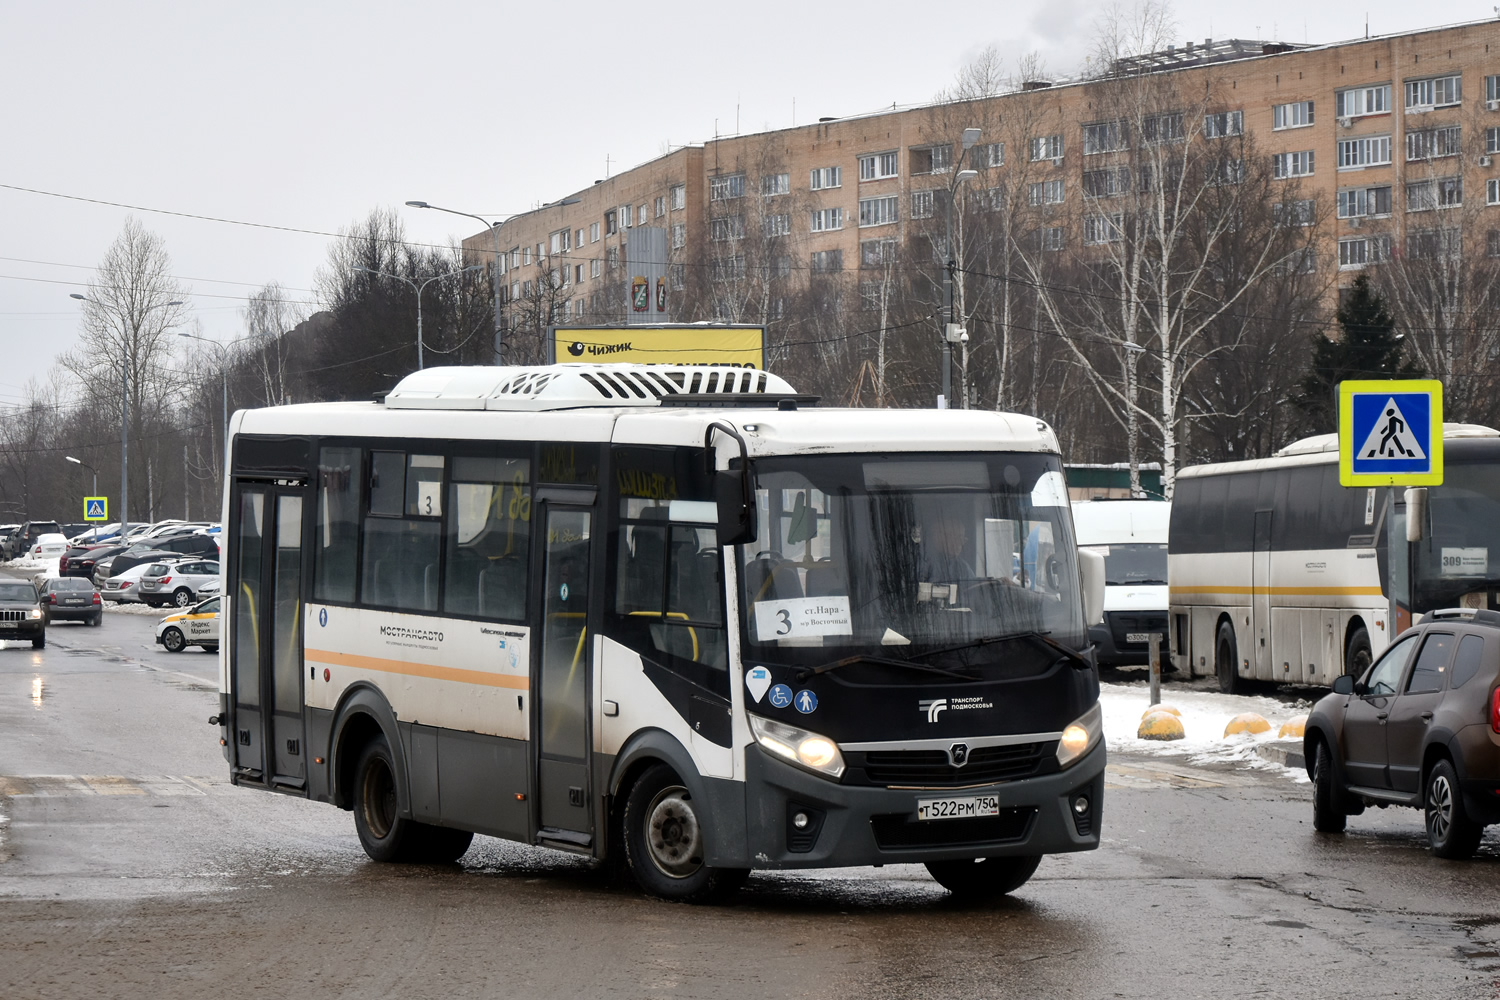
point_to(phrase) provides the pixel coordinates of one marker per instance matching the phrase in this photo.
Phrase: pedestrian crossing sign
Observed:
(96, 508)
(1391, 432)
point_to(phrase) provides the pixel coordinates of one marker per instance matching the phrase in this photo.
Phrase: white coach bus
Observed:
(670, 613)
(1278, 573)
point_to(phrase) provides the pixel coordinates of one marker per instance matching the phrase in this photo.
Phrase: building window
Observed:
(921, 204)
(1109, 137)
(878, 211)
(1047, 192)
(773, 184)
(1436, 92)
(1226, 170)
(1298, 213)
(526, 257)
(611, 224)
(731, 268)
(1492, 243)
(625, 217)
(1355, 203)
(1492, 191)
(1103, 228)
(1047, 147)
(1492, 140)
(726, 228)
(1302, 261)
(594, 266)
(1298, 114)
(1367, 151)
(558, 241)
(679, 196)
(1353, 254)
(993, 199)
(1440, 192)
(826, 220)
(593, 232)
(1362, 101)
(869, 295)
(776, 225)
(931, 159)
(827, 177)
(1108, 183)
(988, 155)
(781, 266)
(726, 187)
(1432, 244)
(661, 206)
(1223, 124)
(679, 235)
(1431, 144)
(827, 261)
(878, 166)
(677, 274)
(612, 257)
(877, 253)
(578, 275)
(1159, 128)
(1052, 238)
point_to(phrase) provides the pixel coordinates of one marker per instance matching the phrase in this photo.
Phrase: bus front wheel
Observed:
(665, 842)
(1226, 660)
(983, 877)
(1357, 654)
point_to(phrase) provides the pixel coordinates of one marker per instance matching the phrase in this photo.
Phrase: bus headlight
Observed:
(800, 747)
(1080, 735)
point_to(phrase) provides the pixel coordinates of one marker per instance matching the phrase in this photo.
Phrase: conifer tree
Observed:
(1368, 349)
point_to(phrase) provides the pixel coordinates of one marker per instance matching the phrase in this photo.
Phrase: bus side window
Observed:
(488, 537)
(336, 535)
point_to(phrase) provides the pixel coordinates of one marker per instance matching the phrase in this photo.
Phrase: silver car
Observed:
(176, 583)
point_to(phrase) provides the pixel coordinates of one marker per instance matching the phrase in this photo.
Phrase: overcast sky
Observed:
(309, 115)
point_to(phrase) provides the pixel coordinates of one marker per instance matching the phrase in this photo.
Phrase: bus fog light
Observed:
(800, 821)
(1079, 736)
(809, 750)
(1081, 805)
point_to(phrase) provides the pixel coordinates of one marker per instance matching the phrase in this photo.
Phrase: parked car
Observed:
(1420, 728)
(21, 615)
(176, 583)
(69, 599)
(27, 534)
(195, 626)
(80, 561)
(211, 587)
(74, 529)
(48, 546)
(159, 550)
(6, 531)
(123, 588)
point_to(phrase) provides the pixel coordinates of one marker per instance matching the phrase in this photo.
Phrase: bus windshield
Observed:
(897, 557)
(1461, 551)
(1134, 563)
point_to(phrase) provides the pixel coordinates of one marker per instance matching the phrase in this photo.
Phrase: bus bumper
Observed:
(848, 825)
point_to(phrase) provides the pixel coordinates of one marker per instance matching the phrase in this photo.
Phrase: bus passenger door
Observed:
(561, 682)
(1260, 598)
(266, 643)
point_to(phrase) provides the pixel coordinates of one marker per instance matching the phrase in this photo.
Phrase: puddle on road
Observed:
(36, 691)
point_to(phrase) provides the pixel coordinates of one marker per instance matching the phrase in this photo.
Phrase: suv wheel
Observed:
(182, 597)
(1328, 808)
(1450, 831)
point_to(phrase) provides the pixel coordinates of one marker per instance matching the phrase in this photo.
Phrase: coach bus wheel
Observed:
(174, 640)
(1226, 660)
(664, 842)
(1357, 655)
(383, 832)
(983, 877)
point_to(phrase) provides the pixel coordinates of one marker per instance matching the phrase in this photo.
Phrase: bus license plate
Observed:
(964, 808)
(1137, 636)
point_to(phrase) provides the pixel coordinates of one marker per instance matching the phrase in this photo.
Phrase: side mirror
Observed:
(1416, 513)
(1343, 684)
(1091, 576)
(736, 514)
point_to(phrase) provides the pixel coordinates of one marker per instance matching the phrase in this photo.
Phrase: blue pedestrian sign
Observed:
(96, 508)
(806, 702)
(1391, 432)
(780, 696)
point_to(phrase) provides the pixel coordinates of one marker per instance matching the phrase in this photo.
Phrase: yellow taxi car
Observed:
(195, 626)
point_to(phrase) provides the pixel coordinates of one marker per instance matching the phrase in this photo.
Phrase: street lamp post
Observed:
(953, 331)
(124, 413)
(494, 228)
(419, 289)
(86, 465)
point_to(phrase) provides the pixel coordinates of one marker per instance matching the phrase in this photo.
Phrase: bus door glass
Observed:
(267, 645)
(561, 685)
(1260, 588)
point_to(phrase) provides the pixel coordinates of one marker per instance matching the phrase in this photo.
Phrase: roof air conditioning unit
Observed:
(1346, 123)
(1484, 161)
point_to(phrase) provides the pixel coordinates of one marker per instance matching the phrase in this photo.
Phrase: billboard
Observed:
(694, 344)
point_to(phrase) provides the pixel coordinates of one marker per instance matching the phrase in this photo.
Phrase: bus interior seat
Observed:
(826, 580)
(771, 578)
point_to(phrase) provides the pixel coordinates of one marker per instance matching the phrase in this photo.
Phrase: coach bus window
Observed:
(489, 537)
(401, 554)
(336, 537)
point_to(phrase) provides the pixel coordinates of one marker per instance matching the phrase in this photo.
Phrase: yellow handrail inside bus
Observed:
(671, 614)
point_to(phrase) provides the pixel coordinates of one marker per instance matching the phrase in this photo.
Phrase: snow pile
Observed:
(1204, 716)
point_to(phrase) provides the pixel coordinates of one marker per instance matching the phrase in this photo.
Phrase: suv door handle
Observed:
(1382, 716)
(1426, 716)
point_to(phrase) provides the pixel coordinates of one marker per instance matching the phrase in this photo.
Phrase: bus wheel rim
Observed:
(379, 798)
(673, 837)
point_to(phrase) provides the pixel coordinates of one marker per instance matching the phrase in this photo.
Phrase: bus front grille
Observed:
(931, 768)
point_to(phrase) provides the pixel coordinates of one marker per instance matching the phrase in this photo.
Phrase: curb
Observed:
(1287, 753)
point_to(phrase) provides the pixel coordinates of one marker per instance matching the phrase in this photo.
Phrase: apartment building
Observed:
(1389, 133)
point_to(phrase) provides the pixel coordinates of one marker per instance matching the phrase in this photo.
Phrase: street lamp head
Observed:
(474, 267)
(76, 295)
(417, 204)
(70, 458)
(971, 136)
(965, 175)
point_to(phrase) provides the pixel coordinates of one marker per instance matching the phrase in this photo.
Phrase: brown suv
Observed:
(1420, 728)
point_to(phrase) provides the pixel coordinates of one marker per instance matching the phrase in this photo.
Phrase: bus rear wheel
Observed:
(983, 878)
(1226, 660)
(383, 832)
(1357, 654)
(665, 842)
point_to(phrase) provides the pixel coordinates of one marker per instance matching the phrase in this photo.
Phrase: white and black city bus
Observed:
(674, 614)
(1278, 573)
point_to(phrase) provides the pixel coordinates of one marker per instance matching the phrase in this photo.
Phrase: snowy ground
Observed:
(1204, 716)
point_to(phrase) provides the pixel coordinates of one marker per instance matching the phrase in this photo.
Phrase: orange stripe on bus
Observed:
(429, 670)
(1282, 591)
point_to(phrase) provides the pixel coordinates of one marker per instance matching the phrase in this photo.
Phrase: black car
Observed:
(21, 615)
(1420, 728)
(80, 559)
(26, 536)
(69, 599)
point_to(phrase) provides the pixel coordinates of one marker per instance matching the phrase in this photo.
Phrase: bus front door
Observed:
(1260, 596)
(561, 683)
(266, 646)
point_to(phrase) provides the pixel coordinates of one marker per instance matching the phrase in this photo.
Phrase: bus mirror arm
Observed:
(733, 493)
(1416, 513)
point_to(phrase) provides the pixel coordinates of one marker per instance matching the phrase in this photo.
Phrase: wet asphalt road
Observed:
(129, 867)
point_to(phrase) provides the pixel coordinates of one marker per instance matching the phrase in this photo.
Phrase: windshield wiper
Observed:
(884, 661)
(1040, 638)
